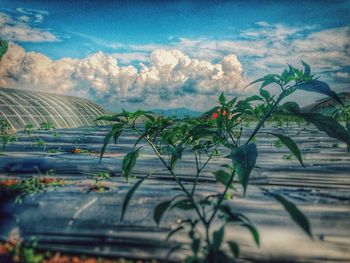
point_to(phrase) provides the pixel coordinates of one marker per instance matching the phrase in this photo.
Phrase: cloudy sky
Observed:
(167, 54)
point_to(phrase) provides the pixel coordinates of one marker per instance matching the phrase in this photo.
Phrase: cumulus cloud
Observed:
(269, 48)
(171, 78)
(23, 26)
(263, 49)
(183, 72)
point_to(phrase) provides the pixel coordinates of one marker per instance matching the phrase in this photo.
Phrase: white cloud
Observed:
(23, 27)
(128, 57)
(170, 79)
(182, 72)
(265, 49)
(30, 11)
(271, 47)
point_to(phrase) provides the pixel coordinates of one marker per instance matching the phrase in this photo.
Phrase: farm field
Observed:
(80, 213)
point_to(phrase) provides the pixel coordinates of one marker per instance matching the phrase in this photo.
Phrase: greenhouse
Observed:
(22, 107)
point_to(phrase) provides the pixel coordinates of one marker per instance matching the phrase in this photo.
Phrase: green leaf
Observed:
(218, 237)
(255, 81)
(242, 106)
(201, 131)
(291, 106)
(129, 162)
(307, 69)
(297, 216)
(291, 70)
(130, 194)
(244, 159)
(234, 247)
(269, 79)
(176, 154)
(265, 94)
(196, 244)
(184, 204)
(319, 87)
(220, 122)
(116, 131)
(222, 98)
(231, 102)
(285, 75)
(327, 124)
(253, 98)
(253, 231)
(160, 209)
(3, 48)
(172, 232)
(292, 146)
(232, 216)
(222, 177)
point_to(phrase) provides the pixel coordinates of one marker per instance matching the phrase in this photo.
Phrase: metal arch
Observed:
(68, 111)
(61, 103)
(7, 96)
(28, 96)
(7, 119)
(75, 103)
(72, 108)
(29, 114)
(41, 101)
(92, 107)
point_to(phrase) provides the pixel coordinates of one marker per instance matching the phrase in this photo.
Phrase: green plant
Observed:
(19, 252)
(6, 135)
(343, 114)
(99, 179)
(55, 150)
(19, 188)
(40, 142)
(28, 129)
(56, 134)
(278, 143)
(4, 126)
(287, 156)
(219, 128)
(46, 126)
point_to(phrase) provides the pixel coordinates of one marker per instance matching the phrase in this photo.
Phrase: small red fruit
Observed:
(214, 115)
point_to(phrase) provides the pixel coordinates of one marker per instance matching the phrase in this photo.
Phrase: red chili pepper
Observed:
(214, 115)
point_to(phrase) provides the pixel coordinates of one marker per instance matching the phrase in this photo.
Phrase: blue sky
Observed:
(262, 36)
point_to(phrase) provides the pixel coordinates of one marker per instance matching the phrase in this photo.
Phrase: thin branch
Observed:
(266, 116)
(221, 198)
(174, 176)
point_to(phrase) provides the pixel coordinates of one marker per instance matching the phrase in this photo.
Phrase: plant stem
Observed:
(229, 131)
(199, 170)
(197, 175)
(207, 227)
(266, 116)
(190, 197)
(221, 198)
